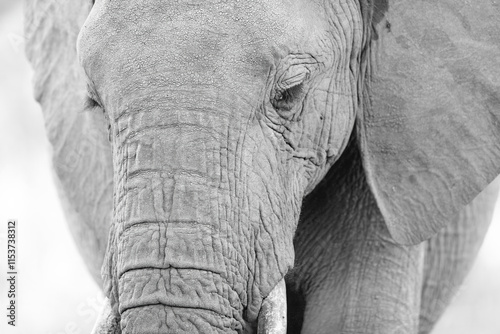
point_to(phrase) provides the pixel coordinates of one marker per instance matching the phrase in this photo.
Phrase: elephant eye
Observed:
(289, 92)
(292, 81)
(286, 99)
(92, 100)
(90, 103)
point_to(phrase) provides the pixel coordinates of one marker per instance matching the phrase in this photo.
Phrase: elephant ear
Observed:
(429, 129)
(81, 152)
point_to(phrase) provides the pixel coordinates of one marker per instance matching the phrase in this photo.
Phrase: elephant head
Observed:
(219, 126)
(223, 115)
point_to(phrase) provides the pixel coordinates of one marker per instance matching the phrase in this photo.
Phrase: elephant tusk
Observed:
(107, 322)
(272, 316)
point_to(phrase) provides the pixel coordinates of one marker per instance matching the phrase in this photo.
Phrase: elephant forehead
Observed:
(194, 42)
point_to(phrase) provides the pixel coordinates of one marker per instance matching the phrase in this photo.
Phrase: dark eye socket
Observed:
(90, 103)
(292, 82)
(92, 100)
(286, 99)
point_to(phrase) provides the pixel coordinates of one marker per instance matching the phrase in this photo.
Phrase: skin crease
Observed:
(212, 185)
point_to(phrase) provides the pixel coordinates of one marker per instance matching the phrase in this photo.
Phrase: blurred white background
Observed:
(56, 295)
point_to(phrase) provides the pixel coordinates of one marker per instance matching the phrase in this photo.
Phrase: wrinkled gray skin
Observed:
(199, 172)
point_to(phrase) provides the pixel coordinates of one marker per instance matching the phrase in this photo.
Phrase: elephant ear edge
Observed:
(429, 129)
(81, 153)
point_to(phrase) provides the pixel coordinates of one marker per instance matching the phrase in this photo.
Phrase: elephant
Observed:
(272, 166)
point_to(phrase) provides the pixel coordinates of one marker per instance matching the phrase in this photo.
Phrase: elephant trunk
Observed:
(178, 289)
(182, 250)
(172, 264)
(272, 317)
